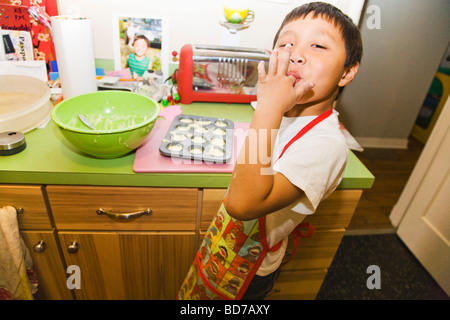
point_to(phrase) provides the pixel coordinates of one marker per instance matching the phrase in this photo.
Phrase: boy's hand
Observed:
(276, 89)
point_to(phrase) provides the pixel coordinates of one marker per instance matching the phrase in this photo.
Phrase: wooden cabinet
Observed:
(39, 236)
(302, 277)
(129, 265)
(146, 257)
(47, 264)
(139, 242)
(303, 284)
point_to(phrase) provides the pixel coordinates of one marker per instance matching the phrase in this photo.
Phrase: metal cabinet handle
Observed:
(20, 210)
(73, 247)
(125, 216)
(39, 247)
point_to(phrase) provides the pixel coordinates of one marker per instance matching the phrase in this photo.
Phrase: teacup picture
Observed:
(234, 15)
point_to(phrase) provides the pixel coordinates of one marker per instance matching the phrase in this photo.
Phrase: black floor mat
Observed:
(400, 276)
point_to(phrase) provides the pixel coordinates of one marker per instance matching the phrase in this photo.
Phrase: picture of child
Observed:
(139, 62)
(139, 46)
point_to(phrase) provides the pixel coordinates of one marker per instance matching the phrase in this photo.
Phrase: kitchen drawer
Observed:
(297, 285)
(75, 207)
(333, 213)
(316, 252)
(31, 200)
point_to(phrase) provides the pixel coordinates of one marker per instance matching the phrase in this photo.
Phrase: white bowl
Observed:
(24, 103)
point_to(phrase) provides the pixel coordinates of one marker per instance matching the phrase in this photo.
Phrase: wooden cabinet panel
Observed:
(31, 200)
(336, 211)
(48, 266)
(75, 207)
(129, 265)
(333, 213)
(297, 285)
(316, 252)
(211, 203)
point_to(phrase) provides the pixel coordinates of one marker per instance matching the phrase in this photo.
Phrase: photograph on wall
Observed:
(140, 44)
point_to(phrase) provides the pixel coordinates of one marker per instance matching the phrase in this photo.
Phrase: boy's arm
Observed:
(255, 190)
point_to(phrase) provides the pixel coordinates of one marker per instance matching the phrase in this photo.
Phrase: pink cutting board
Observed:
(148, 158)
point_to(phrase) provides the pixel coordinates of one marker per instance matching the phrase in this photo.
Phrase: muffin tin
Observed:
(200, 138)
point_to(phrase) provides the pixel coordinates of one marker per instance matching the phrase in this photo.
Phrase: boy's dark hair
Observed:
(141, 36)
(350, 32)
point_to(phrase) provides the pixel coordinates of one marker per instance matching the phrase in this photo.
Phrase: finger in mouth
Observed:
(295, 75)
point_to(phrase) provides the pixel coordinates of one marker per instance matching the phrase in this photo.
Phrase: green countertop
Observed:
(50, 159)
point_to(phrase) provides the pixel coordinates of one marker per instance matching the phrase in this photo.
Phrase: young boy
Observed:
(139, 62)
(317, 51)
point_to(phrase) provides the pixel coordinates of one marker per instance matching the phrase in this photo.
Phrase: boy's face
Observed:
(318, 55)
(140, 47)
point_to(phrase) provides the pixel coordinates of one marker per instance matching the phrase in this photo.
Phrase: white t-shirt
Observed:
(315, 164)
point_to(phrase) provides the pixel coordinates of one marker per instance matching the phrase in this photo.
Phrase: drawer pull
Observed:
(125, 216)
(73, 247)
(20, 210)
(39, 247)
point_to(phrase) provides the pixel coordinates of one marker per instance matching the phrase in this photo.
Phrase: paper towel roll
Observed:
(74, 48)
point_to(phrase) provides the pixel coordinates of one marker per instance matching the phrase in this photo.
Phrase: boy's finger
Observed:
(283, 59)
(273, 62)
(261, 70)
(302, 88)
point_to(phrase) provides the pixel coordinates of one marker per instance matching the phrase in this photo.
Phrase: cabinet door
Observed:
(134, 265)
(47, 264)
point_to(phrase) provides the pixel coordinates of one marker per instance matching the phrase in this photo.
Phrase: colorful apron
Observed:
(232, 251)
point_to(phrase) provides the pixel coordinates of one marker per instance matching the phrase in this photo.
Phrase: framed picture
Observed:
(141, 43)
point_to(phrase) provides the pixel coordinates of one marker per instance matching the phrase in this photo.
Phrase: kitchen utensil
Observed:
(200, 138)
(122, 120)
(149, 159)
(11, 143)
(86, 121)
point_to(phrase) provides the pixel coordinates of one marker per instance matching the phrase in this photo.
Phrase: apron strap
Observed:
(305, 129)
(299, 233)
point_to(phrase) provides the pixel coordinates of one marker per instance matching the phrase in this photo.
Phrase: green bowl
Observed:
(122, 121)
